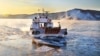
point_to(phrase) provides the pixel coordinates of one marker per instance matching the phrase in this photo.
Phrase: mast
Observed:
(39, 13)
(43, 12)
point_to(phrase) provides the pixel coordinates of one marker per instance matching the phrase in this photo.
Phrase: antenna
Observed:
(39, 12)
(43, 12)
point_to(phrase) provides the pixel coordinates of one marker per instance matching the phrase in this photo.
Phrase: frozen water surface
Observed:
(83, 38)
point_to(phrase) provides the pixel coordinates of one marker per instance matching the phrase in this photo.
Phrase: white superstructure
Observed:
(42, 28)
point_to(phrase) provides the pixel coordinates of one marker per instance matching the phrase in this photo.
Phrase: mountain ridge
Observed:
(81, 14)
(73, 14)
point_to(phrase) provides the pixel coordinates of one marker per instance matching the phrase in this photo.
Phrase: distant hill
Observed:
(74, 14)
(81, 14)
(55, 15)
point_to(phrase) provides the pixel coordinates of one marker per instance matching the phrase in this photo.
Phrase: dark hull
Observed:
(61, 42)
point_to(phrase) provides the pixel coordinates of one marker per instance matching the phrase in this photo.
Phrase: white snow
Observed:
(83, 37)
(77, 14)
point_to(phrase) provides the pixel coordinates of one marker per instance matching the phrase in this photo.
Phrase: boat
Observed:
(44, 33)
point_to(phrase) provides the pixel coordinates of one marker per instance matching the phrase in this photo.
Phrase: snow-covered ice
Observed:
(83, 38)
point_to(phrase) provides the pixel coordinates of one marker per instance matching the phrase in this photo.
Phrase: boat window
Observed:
(41, 24)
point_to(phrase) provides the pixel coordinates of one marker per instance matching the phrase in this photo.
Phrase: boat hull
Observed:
(50, 41)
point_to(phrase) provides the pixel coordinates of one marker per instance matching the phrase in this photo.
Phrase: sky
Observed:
(32, 6)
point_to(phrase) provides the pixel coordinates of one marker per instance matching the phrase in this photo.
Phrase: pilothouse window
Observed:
(43, 24)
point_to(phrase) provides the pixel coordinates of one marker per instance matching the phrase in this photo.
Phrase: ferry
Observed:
(44, 33)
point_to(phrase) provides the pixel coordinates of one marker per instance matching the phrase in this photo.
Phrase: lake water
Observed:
(83, 38)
